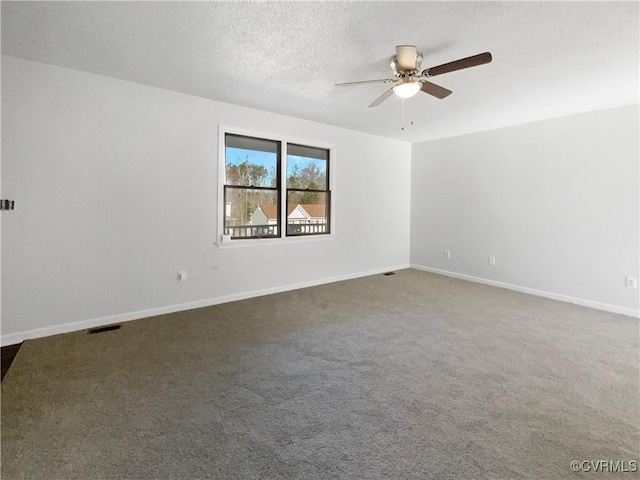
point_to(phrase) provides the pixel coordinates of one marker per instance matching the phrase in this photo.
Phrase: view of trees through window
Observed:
(252, 189)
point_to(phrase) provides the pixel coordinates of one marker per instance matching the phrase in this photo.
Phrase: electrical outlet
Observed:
(632, 282)
(382, 251)
(492, 261)
(447, 254)
(182, 276)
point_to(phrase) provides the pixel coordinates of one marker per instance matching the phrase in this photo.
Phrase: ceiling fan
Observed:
(409, 80)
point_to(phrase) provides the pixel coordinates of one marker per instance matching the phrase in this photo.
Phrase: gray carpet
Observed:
(410, 376)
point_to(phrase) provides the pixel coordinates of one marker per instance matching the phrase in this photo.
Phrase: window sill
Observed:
(253, 242)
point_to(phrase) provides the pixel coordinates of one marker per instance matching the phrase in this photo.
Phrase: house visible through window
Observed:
(254, 190)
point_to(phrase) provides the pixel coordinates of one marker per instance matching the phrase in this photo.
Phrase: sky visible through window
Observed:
(235, 156)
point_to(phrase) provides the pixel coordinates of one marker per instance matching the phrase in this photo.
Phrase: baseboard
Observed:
(532, 291)
(13, 338)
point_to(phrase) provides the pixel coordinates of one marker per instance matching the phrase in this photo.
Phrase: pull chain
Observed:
(402, 123)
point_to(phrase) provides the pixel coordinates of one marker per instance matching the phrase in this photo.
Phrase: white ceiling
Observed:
(549, 58)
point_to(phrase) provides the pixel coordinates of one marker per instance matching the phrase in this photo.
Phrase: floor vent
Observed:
(389, 273)
(103, 329)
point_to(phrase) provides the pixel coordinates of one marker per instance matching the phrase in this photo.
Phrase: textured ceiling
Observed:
(550, 58)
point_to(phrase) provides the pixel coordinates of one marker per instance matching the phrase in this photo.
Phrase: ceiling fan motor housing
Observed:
(406, 61)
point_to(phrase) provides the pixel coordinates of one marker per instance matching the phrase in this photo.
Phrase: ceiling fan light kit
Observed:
(408, 78)
(407, 89)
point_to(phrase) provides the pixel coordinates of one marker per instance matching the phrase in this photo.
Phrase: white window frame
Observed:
(223, 241)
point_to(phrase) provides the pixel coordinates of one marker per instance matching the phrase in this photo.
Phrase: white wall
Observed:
(115, 187)
(556, 202)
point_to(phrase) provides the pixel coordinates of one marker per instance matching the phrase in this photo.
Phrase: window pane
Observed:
(307, 212)
(251, 161)
(251, 213)
(307, 167)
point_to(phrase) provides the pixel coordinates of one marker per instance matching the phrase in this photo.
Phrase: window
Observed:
(255, 192)
(251, 187)
(308, 195)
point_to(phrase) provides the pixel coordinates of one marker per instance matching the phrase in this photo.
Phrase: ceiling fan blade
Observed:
(468, 62)
(435, 90)
(381, 98)
(364, 82)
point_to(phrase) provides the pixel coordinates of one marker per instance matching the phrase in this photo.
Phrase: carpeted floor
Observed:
(410, 376)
